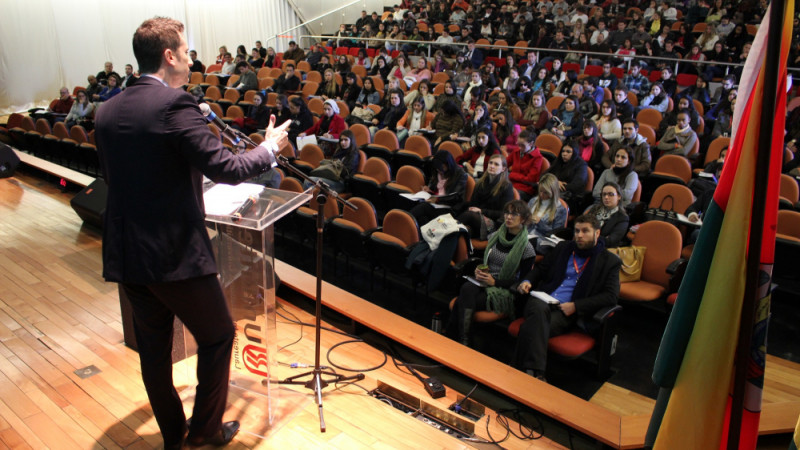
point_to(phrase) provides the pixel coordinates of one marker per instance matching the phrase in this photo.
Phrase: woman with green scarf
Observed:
(508, 254)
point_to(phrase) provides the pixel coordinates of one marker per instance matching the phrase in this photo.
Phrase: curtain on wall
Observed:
(47, 44)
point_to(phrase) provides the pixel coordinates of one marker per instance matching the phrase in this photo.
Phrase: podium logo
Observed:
(255, 360)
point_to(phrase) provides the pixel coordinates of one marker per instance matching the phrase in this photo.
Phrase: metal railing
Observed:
(585, 55)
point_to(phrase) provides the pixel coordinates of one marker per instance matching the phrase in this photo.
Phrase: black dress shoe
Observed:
(221, 438)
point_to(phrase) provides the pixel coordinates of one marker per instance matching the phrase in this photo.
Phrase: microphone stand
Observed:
(316, 382)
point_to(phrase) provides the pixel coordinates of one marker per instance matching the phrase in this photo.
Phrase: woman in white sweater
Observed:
(608, 125)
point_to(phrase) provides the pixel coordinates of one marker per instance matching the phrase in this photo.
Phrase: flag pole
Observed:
(751, 293)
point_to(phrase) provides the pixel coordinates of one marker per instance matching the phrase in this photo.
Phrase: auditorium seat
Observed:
(384, 145)
(663, 247)
(409, 180)
(389, 248)
(350, 232)
(370, 183)
(598, 333)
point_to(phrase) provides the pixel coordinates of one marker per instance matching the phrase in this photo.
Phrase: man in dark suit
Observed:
(473, 55)
(155, 147)
(582, 276)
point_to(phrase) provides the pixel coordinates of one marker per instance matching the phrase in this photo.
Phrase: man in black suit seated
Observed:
(582, 276)
(155, 146)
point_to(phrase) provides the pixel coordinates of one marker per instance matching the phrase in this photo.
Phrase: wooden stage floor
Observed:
(58, 317)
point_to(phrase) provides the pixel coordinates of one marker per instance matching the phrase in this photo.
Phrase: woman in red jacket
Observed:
(330, 125)
(525, 165)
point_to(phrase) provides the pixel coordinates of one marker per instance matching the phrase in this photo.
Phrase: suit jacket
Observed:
(600, 287)
(155, 146)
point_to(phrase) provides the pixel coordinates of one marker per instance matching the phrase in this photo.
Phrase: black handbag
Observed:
(661, 214)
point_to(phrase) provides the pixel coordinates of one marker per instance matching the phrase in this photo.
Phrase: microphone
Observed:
(245, 208)
(211, 117)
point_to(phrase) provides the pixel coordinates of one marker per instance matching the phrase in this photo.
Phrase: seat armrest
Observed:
(604, 313)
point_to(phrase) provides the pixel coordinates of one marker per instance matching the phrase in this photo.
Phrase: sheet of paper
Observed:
(545, 297)
(224, 199)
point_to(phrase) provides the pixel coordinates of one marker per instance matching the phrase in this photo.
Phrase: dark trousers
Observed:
(541, 323)
(201, 306)
(470, 299)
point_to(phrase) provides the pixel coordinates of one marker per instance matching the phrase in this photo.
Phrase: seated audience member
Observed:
(699, 91)
(635, 81)
(657, 99)
(368, 94)
(362, 59)
(611, 215)
(288, 82)
(609, 127)
(582, 276)
(400, 69)
(625, 109)
(81, 111)
(506, 131)
(448, 95)
(391, 114)
(420, 72)
(330, 125)
(536, 114)
(642, 158)
(607, 79)
(448, 184)
(721, 93)
(589, 146)
(473, 55)
(525, 163)
(270, 58)
(228, 66)
(697, 210)
(255, 60)
(105, 74)
(480, 120)
(63, 104)
(413, 121)
(301, 118)
(328, 87)
(680, 139)
(349, 91)
(621, 173)
(317, 51)
(247, 78)
(547, 212)
(342, 66)
(256, 118)
(341, 166)
(381, 69)
(492, 191)
(294, 53)
(423, 91)
(668, 82)
(109, 91)
(197, 65)
(448, 122)
(572, 172)
(129, 77)
(540, 81)
(474, 160)
(670, 119)
(93, 87)
(567, 120)
(323, 65)
(508, 254)
(474, 92)
(591, 89)
(281, 110)
(586, 104)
